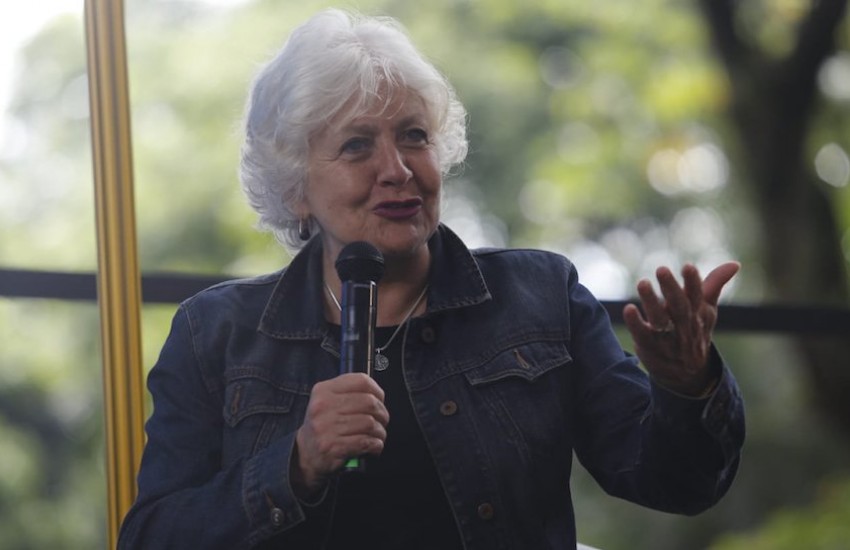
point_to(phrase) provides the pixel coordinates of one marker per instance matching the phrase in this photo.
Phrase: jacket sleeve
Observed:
(187, 499)
(639, 441)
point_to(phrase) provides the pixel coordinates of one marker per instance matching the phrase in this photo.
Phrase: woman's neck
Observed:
(403, 281)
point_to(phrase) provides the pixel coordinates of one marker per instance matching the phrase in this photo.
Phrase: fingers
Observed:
(355, 382)
(348, 405)
(693, 286)
(680, 301)
(653, 308)
(717, 279)
(635, 322)
(673, 336)
(677, 305)
(345, 417)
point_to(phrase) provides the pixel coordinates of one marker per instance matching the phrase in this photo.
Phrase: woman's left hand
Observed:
(674, 338)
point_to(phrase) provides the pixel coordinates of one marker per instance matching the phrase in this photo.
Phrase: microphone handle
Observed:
(357, 338)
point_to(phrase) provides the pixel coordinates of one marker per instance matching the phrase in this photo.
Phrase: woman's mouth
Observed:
(398, 209)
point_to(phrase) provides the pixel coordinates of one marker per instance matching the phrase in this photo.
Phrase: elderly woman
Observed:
(499, 364)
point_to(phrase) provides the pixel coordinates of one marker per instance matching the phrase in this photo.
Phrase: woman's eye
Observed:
(355, 145)
(417, 135)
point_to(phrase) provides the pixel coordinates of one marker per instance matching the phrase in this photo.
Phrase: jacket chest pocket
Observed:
(258, 410)
(524, 390)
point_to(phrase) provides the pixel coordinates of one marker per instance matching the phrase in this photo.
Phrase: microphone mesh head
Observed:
(360, 262)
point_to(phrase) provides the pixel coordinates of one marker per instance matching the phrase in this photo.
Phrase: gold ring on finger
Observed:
(667, 328)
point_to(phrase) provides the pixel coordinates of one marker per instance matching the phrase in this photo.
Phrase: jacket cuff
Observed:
(719, 412)
(269, 500)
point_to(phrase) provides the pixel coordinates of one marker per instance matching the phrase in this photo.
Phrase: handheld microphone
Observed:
(359, 266)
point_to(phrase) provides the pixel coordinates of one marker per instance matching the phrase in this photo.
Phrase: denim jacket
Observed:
(512, 369)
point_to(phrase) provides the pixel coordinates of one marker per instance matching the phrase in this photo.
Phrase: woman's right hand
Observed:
(346, 418)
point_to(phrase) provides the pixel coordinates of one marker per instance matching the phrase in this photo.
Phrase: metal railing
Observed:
(172, 288)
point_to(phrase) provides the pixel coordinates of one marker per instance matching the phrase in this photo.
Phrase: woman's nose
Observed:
(392, 165)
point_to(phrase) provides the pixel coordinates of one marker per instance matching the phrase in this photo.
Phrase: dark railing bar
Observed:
(161, 288)
(796, 319)
(172, 288)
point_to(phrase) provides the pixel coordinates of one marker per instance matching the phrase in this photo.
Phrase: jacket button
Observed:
(448, 408)
(428, 335)
(486, 511)
(277, 517)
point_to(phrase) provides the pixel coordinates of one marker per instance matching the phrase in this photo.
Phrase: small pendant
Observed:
(381, 361)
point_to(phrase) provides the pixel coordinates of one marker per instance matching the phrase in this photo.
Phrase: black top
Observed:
(399, 502)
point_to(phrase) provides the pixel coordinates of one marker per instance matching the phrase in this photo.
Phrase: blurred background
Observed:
(623, 134)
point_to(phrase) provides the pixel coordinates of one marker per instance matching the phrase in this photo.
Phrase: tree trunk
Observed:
(771, 108)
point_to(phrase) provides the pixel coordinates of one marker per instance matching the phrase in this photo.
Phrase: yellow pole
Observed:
(119, 286)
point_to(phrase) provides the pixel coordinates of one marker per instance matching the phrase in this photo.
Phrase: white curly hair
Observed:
(335, 63)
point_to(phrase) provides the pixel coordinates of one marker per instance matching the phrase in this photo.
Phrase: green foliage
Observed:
(51, 417)
(771, 24)
(822, 526)
(51, 167)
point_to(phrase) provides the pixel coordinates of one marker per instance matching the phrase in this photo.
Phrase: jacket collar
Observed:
(294, 310)
(455, 280)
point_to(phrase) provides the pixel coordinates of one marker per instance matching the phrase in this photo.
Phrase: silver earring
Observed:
(304, 229)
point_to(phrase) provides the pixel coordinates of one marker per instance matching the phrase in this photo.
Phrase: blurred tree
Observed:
(773, 57)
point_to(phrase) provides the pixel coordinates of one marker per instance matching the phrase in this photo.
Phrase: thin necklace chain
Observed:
(398, 328)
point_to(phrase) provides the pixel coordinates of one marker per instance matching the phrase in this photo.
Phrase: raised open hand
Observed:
(673, 336)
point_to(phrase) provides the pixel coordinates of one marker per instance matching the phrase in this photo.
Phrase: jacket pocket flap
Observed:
(527, 361)
(248, 394)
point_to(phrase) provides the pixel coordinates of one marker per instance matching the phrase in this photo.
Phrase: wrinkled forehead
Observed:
(386, 103)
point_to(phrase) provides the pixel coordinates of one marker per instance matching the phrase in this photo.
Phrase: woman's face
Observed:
(376, 178)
